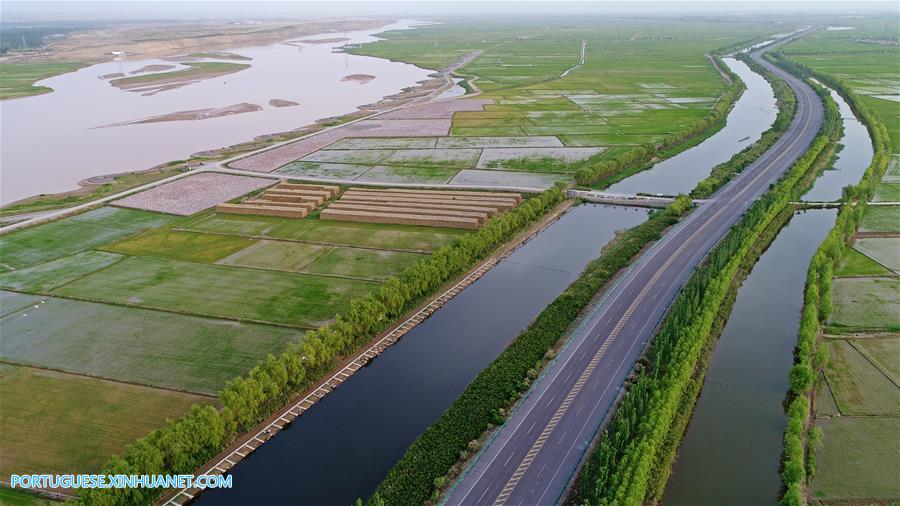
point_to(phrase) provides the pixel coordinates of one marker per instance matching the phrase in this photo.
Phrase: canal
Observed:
(732, 448)
(752, 114)
(342, 448)
(851, 161)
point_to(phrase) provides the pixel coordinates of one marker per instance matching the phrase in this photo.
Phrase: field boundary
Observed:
(173, 310)
(105, 378)
(253, 439)
(285, 416)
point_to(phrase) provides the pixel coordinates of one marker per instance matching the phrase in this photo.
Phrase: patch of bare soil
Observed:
(333, 40)
(163, 40)
(277, 102)
(196, 114)
(148, 68)
(112, 76)
(176, 79)
(358, 78)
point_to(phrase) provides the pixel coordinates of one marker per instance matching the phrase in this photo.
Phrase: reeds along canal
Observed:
(342, 448)
(732, 447)
(850, 162)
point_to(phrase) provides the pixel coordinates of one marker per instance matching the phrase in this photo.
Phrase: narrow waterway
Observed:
(342, 448)
(752, 114)
(732, 448)
(851, 161)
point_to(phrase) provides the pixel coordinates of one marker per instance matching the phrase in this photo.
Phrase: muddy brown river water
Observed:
(44, 155)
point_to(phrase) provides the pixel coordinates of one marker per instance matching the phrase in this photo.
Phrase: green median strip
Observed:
(422, 471)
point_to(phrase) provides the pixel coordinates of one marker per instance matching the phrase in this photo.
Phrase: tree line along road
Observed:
(534, 455)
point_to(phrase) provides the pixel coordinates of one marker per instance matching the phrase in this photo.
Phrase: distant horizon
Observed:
(144, 10)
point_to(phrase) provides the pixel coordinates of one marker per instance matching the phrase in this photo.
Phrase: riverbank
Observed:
(469, 422)
(826, 366)
(92, 151)
(254, 438)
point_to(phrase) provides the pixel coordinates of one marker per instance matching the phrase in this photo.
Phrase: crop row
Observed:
(186, 444)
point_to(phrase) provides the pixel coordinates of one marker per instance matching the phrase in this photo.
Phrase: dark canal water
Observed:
(751, 115)
(732, 448)
(342, 448)
(850, 162)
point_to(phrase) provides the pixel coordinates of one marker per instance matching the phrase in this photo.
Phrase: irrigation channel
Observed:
(341, 449)
(850, 162)
(732, 448)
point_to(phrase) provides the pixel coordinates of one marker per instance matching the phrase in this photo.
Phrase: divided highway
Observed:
(533, 457)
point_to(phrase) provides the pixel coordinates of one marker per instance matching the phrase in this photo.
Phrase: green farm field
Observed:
(870, 69)
(136, 345)
(220, 291)
(884, 250)
(78, 233)
(858, 385)
(887, 192)
(854, 263)
(49, 275)
(360, 263)
(858, 460)
(10, 302)
(367, 235)
(17, 79)
(884, 352)
(866, 303)
(71, 424)
(881, 219)
(177, 245)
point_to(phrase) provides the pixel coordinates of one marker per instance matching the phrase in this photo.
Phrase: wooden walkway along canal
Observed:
(288, 415)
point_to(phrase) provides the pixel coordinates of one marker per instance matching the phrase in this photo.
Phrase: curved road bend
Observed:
(534, 455)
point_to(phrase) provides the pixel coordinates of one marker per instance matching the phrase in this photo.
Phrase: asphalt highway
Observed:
(533, 457)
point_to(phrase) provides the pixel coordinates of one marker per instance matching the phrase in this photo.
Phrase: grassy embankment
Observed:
(631, 461)
(89, 192)
(841, 445)
(132, 291)
(195, 70)
(275, 379)
(17, 79)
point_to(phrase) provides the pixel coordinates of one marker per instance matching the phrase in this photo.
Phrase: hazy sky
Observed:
(22, 10)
